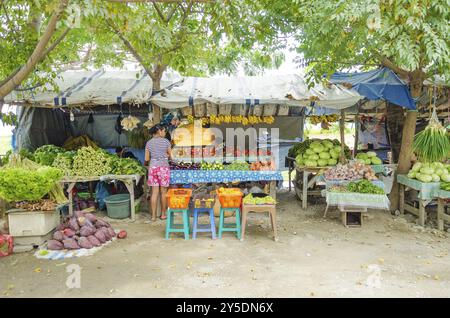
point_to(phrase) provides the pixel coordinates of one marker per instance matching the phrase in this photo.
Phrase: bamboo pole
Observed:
(342, 133)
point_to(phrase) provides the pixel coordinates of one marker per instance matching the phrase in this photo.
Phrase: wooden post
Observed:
(355, 146)
(342, 132)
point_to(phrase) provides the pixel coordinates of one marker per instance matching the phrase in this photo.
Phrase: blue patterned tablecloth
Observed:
(217, 176)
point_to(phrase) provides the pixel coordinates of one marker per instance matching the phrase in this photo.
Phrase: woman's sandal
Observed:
(163, 217)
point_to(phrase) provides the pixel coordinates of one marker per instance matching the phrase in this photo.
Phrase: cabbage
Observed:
(367, 161)
(425, 178)
(362, 156)
(371, 154)
(311, 163)
(322, 162)
(411, 175)
(334, 155)
(445, 177)
(435, 178)
(418, 175)
(376, 161)
(327, 144)
(309, 151)
(318, 148)
(315, 143)
(436, 165)
(337, 148)
(332, 162)
(313, 157)
(299, 160)
(439, 171)
(427, 170)
(324, 155)
(416, 166)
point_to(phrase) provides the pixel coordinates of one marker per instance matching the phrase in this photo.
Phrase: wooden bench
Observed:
(271, 208)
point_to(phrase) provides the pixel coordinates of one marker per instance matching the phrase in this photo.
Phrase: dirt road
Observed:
(387, 257)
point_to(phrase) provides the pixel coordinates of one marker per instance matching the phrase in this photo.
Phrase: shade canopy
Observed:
(290, 90)
(378, 84)
(98, 87)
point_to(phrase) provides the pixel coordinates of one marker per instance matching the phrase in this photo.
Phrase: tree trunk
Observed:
(158, 71)
(394, 123)
(409, 129)
(37, 54)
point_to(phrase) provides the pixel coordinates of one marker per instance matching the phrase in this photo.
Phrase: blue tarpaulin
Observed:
(378, 84)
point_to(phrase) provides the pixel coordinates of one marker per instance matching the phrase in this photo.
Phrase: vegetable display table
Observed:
(290, 163)
(443, 199)
(306, 183)
(225, 176)
(426, 195)
(126, 179)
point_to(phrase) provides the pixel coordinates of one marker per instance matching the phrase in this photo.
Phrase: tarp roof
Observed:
(378, 84)
(97, 87)
(291, 90)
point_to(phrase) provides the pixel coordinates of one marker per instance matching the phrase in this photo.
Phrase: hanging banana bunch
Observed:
(324, 120)
(129, 123)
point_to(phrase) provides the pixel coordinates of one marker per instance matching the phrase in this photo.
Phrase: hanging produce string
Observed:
(432, 144)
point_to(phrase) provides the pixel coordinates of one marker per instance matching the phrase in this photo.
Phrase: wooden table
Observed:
(305, 181)
(290, 163)
(426, 191)
(126, 179)
(258, 208)
(443, 198)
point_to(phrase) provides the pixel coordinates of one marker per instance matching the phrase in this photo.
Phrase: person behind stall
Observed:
(157, 155)
(121, 153)
(171, 122)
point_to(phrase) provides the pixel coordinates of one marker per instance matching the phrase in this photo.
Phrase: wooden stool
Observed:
(204, 228)
(177, 228)
(228, 227)
(258, 209)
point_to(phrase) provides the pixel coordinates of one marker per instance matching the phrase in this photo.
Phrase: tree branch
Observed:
(389, 64)
(44, 54)
(130, 47)
(158, 10)
(37, 54)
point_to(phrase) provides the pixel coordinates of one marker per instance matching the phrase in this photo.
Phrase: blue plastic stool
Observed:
(211, 227)
(177, 228)
(230, 227)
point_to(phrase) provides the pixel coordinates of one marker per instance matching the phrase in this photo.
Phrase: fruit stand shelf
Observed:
(427, 193)
(443, 198)
(126, 179)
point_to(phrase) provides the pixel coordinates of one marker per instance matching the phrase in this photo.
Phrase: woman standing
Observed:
(157, 155)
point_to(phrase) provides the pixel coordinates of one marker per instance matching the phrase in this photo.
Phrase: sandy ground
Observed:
(387, 257)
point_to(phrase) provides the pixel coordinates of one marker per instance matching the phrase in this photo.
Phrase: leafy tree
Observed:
(194, 38)
(411, 37)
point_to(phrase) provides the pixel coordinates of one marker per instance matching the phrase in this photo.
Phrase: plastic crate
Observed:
(204, 201)
(178, 198)
(230, 200)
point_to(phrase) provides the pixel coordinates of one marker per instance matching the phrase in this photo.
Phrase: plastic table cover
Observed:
(426, 190)
(217, 176)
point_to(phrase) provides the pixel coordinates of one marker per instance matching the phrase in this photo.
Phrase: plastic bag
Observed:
(101, 192)
(6, 245)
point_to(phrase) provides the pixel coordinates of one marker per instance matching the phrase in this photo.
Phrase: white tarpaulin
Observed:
(98, 87)
(291, 90)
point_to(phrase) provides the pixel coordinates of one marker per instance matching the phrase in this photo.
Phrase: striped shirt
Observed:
(158, 146)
